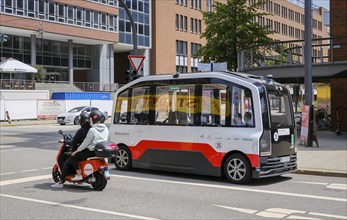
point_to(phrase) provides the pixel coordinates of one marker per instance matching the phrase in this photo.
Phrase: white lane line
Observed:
(248, 211)
(25, 171)
(328, 185)
(327, 215)
(6, 173)
(237, 188)
(47, 168)
(78, 207)
(23, 180)
(7, 146)
(337, 186)
(49, 142)
(313, 183)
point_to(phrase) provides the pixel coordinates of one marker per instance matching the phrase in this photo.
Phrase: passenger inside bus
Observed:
(248, 119)
(237, 120)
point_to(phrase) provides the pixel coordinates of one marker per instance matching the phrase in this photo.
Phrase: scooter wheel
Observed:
(55, 174)
(100, 181)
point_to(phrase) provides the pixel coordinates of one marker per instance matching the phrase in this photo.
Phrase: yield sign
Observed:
(136, 61)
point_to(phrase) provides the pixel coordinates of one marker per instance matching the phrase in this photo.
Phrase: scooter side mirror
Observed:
(60, 132)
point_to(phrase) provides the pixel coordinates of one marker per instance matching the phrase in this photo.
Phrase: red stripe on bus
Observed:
(211, 155)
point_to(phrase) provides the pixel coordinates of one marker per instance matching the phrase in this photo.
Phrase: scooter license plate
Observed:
(107, 174)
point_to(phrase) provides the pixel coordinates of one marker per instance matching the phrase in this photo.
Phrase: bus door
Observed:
(174, 138)
(281, 123)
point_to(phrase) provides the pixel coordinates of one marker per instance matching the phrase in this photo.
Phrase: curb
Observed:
(321, 173)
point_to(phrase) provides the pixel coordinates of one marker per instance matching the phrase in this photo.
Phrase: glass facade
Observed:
(48, 53)
(61, 13)
(140, 11)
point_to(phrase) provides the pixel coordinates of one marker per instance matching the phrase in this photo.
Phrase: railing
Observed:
(19, 84)
(285, 53)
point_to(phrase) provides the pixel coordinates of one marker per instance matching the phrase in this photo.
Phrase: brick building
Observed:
(177, 37)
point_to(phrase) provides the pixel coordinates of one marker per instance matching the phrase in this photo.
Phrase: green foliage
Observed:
(40, 75)
(230, 28)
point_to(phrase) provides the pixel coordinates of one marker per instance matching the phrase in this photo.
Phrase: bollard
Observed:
(8, 117)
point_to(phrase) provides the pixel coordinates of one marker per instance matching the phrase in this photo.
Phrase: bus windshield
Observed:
(280, 111)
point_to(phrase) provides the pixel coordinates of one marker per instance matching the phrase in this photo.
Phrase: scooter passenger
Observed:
(97, 133)
(75, 143)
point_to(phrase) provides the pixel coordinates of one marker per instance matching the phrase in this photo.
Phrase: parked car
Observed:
(72, 116)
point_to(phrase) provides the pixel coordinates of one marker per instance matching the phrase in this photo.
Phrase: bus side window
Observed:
(242, 107)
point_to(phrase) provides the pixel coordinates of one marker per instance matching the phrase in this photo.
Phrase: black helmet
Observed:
(84, 118)
(97, 116)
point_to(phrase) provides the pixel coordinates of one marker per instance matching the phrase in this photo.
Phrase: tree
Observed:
(230, 28)
(40, 75)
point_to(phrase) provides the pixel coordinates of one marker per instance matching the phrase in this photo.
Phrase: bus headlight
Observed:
(265, 144)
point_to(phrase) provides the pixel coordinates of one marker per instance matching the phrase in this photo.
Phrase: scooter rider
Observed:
(75, 143)
(97, 133)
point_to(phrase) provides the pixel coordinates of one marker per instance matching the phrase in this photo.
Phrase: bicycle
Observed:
(323, 120)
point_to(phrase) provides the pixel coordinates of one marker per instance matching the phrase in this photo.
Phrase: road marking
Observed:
(281, 213)
(313, 183)
(49, 142)
(236, 188)
(6, 173)
(7, 146)
(327, 215)
(24, 171)
(337, 186)
(78, 207)
(23, 180)
(328, 185)
(47, 168)
(248, 211)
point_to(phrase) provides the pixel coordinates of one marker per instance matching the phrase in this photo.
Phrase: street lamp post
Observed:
(308, 67)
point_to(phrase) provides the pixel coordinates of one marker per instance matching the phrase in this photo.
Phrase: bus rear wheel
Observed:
(123, 160)
(237, 169)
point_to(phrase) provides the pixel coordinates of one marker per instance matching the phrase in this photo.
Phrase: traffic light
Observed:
(131, 75)
(3, 38)
(127, 75)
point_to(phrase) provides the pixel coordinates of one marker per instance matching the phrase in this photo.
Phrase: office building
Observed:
(177, 37)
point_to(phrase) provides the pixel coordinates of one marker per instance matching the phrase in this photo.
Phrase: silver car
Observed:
(72, 116)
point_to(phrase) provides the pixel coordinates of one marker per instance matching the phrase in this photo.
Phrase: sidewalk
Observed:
(330, 159)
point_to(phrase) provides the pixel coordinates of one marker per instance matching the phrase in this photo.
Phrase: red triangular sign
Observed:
(136, 61)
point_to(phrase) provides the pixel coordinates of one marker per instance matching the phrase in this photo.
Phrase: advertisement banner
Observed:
(304, 122)
(49, 108)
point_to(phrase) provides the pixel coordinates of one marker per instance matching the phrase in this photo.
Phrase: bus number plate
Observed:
(285, 159)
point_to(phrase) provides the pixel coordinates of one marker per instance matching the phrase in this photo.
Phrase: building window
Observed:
(191, 25)
(277, 9)
(181, 56)
(277, 27)
(177, 22)
(181, 22)
(209, 5)
(185, 23)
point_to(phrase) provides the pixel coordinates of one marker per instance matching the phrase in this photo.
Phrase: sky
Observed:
(322, 3)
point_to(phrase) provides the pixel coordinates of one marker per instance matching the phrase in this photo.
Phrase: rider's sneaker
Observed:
(77, 178)
(57, 185)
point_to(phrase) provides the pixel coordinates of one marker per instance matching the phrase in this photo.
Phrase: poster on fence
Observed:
(49, 108)
(304, 123)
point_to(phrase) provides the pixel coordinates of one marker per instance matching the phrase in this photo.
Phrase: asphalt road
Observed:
(27, 155)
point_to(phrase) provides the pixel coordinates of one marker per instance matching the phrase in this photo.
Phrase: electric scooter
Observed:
(94, 170)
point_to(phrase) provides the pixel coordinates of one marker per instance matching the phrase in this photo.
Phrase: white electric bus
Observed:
(213, 123)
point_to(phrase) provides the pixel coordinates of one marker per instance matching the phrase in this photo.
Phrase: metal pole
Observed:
(308, 67)
(308, 53)
(133, 26)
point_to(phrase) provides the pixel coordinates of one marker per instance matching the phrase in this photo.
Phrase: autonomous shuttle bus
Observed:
(213, 123)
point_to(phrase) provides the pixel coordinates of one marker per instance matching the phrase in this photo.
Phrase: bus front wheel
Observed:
(237, 169)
